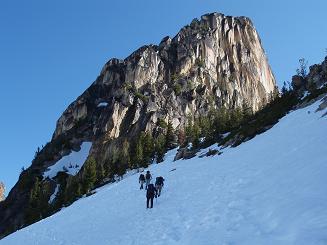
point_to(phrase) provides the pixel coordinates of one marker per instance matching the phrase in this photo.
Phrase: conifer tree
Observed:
(35, 192)
(100, 172)
(123, 161)
(246, 111)
(206, 127)
(126, 158)
(221, 121)
(196, 135)
(139, 153)
(160, 147)
(236, 118)
(148, 147)
(189, 131)
(170, 136)
(38, 201)
(89, 176)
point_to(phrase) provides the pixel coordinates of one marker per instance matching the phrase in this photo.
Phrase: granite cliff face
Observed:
(217, 61)
(2, 191)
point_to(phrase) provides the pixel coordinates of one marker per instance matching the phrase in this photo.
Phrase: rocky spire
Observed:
(217, 61)
(2, 191)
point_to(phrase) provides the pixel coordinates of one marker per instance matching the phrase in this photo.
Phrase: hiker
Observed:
(159, 184)
(150, 194)
(141, 180)
(148, 178)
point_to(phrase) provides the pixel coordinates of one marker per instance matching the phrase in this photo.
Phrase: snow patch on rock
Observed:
(102, 104)
(70, 164)
(54, 194)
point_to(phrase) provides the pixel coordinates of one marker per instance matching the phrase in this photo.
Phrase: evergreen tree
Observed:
(236, 118)
(126, 158)
(35, 192)
(139, 153)
(196, 135)
(33, 210)
(160, 147)
(221, 121)
(72, 190)
(170, 136)
(38, 201)
(107, 167)
(148, 147)
(189, 131)
(111, 164)
(207, 129)
(123, 161)
(100, 173)
(246, 111)
(285, 88)
(90, 174)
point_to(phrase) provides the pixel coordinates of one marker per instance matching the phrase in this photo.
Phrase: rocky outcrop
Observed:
(2, 191)
(217, 61)
(317, 76)
(315, 79)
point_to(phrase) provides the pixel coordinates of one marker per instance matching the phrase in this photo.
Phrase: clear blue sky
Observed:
(51, 51)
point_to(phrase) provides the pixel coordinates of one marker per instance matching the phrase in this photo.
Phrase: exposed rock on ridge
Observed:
(2, 191)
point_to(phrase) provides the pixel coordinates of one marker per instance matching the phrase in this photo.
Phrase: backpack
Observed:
(160, 181)
(151, 191)
(142, 177)
(148, 176)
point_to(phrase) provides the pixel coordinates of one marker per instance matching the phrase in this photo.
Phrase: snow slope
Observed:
(270, 190)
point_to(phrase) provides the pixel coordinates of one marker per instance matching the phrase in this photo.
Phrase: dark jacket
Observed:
(142, 178)
(151, 192)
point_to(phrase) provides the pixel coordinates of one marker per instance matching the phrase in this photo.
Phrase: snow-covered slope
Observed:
(270, 190)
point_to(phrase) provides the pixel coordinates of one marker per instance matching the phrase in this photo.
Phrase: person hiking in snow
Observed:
(151, 192)
(159, 184)
(148, 178)
(141, 180)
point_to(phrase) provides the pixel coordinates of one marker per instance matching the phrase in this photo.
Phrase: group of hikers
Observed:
(152, 191)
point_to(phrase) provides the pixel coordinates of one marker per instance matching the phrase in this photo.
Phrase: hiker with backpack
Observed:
(141, 180)
(151, 193)
(148, 178)
(159, 184)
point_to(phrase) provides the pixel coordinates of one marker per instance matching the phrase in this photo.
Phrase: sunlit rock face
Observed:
(2, 191)
(213, 62)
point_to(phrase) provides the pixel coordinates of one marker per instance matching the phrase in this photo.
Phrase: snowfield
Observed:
(71, 163)
(269, 190)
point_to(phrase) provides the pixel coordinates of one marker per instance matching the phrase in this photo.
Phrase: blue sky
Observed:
(51, 51)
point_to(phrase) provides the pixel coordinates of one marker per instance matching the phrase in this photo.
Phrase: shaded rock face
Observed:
(214, 62)
(2, 191)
